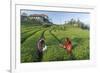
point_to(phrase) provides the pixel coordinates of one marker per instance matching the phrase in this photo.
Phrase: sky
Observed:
(60, 17)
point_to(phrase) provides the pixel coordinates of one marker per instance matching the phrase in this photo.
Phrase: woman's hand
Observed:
(61, 45)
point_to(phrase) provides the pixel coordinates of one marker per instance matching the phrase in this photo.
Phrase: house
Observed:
(40, 17)
(75, 25)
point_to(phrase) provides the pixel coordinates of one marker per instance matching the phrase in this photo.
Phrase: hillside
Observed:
(54, 35)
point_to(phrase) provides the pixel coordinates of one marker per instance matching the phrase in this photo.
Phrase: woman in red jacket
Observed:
(67, 46)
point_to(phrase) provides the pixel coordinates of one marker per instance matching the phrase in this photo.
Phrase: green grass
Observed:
(53, 53)
(28, 48)
(31, 34)
(79, 37)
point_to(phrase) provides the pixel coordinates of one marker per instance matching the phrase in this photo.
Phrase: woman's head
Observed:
(67, 39)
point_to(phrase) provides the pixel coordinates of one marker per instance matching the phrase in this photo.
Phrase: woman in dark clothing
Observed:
(40, 45)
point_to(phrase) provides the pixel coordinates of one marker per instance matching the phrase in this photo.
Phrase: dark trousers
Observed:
(40, 55)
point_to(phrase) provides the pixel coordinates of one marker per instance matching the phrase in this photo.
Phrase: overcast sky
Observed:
(61, 17)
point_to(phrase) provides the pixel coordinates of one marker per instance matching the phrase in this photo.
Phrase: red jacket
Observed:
(68, 46)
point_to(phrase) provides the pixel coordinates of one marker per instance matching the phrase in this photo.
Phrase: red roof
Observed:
(35, 15)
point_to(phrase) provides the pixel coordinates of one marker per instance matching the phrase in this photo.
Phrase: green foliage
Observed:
(79, 37)
(28, 48)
